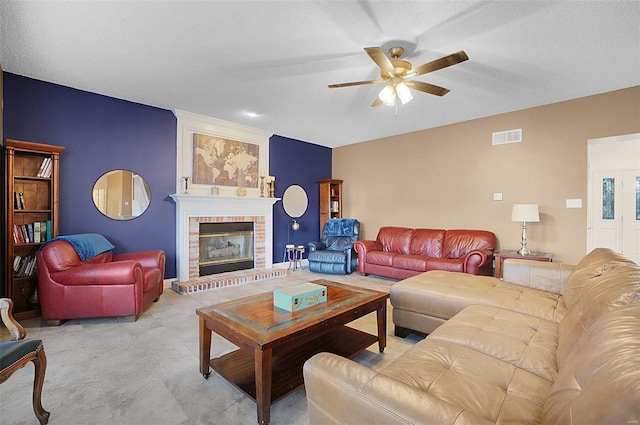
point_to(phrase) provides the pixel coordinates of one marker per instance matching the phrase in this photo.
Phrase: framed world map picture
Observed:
(223, 162)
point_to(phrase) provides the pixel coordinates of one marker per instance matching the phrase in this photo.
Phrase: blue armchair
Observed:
(334, 253)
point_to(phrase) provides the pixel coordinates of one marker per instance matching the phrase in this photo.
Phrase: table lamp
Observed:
(525, 213)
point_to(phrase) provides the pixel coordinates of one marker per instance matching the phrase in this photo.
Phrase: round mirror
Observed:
(295, 201)
(121, 195)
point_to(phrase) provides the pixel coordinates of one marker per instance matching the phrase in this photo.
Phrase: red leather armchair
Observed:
(105, 285)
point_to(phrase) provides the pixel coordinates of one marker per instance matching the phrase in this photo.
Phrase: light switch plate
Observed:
(497, 196)
(574, 203)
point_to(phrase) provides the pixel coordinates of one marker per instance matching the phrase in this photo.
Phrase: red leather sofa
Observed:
(105, 285)
(400, 252)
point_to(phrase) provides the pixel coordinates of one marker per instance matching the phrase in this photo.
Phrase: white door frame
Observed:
(626, 163)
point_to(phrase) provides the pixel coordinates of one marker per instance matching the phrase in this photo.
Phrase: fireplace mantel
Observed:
(189, 206)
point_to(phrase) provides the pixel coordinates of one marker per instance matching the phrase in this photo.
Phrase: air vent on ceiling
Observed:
(504, 137)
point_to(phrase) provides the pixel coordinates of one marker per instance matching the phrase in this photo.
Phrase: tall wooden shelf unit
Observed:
(39, 204)
(330, 200)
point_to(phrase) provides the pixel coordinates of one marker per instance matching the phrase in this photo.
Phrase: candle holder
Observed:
(272, 190)
(186, 184)
(262, 186)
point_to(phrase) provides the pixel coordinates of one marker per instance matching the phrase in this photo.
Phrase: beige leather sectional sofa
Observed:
(553, 346)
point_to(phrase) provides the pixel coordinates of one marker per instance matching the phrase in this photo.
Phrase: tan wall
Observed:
(445, 177)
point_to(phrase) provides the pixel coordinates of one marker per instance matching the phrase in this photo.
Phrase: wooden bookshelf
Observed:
(32, 193)
(330, 200)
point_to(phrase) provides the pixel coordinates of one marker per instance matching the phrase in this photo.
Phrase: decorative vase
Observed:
(186, 184)
(32, 299)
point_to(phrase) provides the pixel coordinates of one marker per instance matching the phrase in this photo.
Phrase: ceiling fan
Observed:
(399, 73)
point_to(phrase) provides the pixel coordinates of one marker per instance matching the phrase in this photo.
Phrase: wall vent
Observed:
(504, 137)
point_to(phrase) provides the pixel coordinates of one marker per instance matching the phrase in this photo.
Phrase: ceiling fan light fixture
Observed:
(404, 93)
(394, 71)
(388, 95)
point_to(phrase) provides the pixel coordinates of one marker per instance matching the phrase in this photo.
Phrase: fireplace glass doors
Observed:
(225, 247)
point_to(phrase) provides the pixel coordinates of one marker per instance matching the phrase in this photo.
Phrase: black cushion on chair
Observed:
(12, 351)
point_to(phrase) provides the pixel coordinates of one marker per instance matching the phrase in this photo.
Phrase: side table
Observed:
(298, 257)
(294, 256)
(500, 256)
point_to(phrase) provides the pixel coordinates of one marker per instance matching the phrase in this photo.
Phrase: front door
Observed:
(614, 195)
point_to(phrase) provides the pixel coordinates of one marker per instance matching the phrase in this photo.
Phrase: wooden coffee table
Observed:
(274, 343)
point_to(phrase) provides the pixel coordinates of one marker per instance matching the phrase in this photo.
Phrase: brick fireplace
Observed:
(191, 210)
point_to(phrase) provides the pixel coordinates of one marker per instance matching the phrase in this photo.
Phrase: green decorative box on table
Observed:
(299, 297)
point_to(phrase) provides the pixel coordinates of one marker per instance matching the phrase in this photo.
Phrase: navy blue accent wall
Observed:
(295, 162)
(99, 134)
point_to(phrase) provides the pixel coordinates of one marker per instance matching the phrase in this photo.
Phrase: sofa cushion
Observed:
(443, 294)
(427, 242)
(60, 255)
(457, 371)
(381, 258)
(600, 381)
(524, 341)
(616, 286)
(588, 273)
(326, 256)
(395, 239)
(458, 243)
(446, 264)
(409, 262)
(338, 243)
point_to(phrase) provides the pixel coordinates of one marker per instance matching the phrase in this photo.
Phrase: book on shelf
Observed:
(36, 232)
(43, 166)
(47, 170)
(30, 234)
(17, 234)
(16, 263)
(32, 267)
(24, 266)
(25, 234)
(18, 200)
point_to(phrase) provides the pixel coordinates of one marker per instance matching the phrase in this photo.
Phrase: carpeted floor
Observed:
(108, 371)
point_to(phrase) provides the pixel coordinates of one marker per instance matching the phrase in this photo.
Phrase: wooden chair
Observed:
(18, 352)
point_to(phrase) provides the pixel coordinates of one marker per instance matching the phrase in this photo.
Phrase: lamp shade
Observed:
(525, 213)
(403, 93)
(388, 95)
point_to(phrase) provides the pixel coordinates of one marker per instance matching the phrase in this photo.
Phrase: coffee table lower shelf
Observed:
(238, 366)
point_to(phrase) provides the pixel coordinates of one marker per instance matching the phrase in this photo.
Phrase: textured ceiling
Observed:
(275, 58)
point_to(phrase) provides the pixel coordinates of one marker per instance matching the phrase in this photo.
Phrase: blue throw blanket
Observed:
(340, 227)
(87, 245)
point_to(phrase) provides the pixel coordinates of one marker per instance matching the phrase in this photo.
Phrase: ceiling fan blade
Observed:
(378, 56)
(355, 83)
(427, 88)
(376, 102)
(437, 64)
